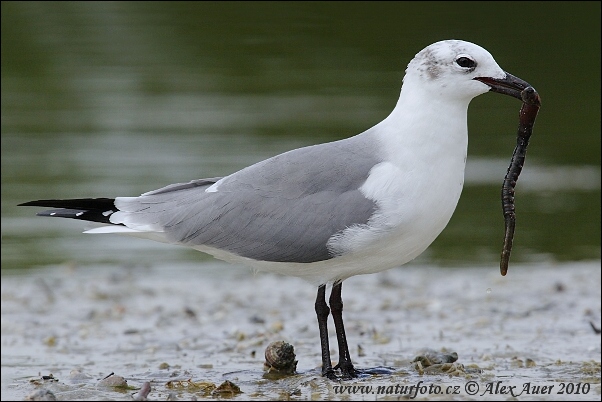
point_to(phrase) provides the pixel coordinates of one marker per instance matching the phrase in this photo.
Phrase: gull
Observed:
(329, 211)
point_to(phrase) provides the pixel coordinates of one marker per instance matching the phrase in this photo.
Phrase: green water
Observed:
(108, 99)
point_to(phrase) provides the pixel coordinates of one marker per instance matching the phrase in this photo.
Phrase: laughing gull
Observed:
(330, 211)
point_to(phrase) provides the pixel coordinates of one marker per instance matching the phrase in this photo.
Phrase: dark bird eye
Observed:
(465, 62)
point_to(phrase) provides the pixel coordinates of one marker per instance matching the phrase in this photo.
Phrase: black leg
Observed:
(322, 311)
(336, 304)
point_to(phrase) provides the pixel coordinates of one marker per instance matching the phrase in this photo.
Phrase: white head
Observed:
(456, 69)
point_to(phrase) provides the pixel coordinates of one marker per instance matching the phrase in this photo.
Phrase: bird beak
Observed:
(509, 85)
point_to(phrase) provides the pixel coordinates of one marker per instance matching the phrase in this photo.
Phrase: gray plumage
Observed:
(281, 209)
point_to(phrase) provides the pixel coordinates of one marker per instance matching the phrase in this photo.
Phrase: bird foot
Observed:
(348, 372)
(330, 374)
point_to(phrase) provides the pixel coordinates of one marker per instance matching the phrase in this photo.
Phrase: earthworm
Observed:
(527, 115)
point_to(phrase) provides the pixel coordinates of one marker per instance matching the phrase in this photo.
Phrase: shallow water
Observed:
(211, 322)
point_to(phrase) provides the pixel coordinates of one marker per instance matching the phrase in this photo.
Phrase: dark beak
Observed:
(510, 85)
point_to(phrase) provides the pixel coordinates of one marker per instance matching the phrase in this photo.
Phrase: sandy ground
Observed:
(187, 330)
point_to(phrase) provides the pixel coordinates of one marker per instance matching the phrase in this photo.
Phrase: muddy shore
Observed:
(188, 329)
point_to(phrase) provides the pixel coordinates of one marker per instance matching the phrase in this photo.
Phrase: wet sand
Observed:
(187, 329)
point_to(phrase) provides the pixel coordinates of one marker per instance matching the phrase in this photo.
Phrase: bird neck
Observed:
(428, 101)
(426, 126)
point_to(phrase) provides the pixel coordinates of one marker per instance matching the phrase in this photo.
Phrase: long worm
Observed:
(527, 115)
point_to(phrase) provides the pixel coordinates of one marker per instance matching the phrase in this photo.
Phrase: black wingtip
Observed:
(29, 204)
(86, 209)
(39, 203)
(76, 203)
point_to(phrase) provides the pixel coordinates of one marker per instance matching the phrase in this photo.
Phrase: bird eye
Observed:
(466, 62)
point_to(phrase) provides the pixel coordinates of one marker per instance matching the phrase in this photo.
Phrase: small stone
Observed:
(280, 357)
(227, 389)
(113, 381)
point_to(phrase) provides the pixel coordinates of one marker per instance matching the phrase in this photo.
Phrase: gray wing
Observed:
(282, 209)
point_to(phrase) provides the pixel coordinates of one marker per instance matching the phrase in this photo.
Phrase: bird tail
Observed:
(87, 209)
